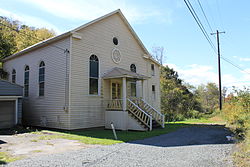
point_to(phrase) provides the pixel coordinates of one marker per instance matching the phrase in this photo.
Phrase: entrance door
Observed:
(116, 90)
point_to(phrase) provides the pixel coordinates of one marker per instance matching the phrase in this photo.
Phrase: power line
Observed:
(203, 30)
(219, 13)
(205, 15)
(195, 16)
(236, 66)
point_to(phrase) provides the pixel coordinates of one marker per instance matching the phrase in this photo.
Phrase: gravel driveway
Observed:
(196, 146)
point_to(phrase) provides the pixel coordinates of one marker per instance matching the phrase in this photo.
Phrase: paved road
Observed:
(198, 146)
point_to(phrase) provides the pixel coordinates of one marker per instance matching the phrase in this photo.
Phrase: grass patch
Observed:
(106, 137)
(34, 140)
(37, 151)
(6, 158)
(50, 144)
(213, 119)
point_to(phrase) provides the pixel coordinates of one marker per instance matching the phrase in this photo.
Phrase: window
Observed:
(93, 74)
(152, 69)
(41, 78)
(133, 68)
(13, 76)
(26, 81)
(115, 41)
(153, 92)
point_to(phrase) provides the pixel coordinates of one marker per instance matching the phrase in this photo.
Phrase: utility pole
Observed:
(219, 69)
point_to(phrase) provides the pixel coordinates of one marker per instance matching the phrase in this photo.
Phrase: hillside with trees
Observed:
(15, 36)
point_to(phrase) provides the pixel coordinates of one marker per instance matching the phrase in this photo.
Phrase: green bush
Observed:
(194, 114)
(237, 112)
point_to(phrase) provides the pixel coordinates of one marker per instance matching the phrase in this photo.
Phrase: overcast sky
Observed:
(165, 23)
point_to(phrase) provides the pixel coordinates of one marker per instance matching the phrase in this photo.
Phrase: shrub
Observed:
(237, 112)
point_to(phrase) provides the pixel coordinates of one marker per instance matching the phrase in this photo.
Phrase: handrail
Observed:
(159, 117)
(152, 107)
(147, 122)
(114, 104)
(138, 107)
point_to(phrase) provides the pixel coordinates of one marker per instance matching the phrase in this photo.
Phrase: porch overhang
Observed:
(122, 73)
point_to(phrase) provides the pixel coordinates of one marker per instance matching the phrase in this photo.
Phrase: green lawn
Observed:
(106, 137)
(217, 118)
(5, 158)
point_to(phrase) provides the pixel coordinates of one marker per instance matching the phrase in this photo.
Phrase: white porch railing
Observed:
(114, 104)
(143, 111)
(158, 117)
(145, 118)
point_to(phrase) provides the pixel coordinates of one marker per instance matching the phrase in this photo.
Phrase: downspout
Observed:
(66, 99)
(69, 81)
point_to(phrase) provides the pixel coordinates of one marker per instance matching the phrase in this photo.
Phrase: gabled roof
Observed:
(10, 83)
(56, 38)
(117, 72)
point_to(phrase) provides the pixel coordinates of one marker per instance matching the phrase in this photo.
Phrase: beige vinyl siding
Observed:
(87, 110)
(48, 110)
(154, 80)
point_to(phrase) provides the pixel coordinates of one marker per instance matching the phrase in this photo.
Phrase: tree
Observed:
(177, 102)
(158, 54)
(7, 38)
(208, 96)
(14, 36)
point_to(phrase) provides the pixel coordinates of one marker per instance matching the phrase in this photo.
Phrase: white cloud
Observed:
(244, 59)
(29, 20)
(201, 74)
(196, 74)
(91, 9)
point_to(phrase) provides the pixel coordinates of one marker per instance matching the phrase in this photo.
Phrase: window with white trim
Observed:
(152, 69)
(93, 75)
(41, 78)
(26, 81)
(153, 92)
(13, 76)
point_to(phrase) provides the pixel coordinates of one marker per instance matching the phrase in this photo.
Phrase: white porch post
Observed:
(124, 93)
(142, 89)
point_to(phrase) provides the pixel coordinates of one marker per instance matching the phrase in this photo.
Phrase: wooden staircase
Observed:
(145, 114)
(144, 118)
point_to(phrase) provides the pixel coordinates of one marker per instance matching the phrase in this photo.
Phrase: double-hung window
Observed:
(41, 78)
(93, 75)
(26, 81)
(13, 76)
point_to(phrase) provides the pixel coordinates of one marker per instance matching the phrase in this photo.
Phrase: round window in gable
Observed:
(115, 41)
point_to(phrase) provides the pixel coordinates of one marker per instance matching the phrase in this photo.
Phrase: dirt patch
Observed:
(28, 144)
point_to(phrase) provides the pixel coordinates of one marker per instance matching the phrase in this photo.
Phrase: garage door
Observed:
(7, 114)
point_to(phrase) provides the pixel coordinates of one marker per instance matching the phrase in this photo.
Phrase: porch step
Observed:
(157, 116)
(138, 121)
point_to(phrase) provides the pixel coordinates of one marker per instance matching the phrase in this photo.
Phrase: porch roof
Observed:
(117, 72)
